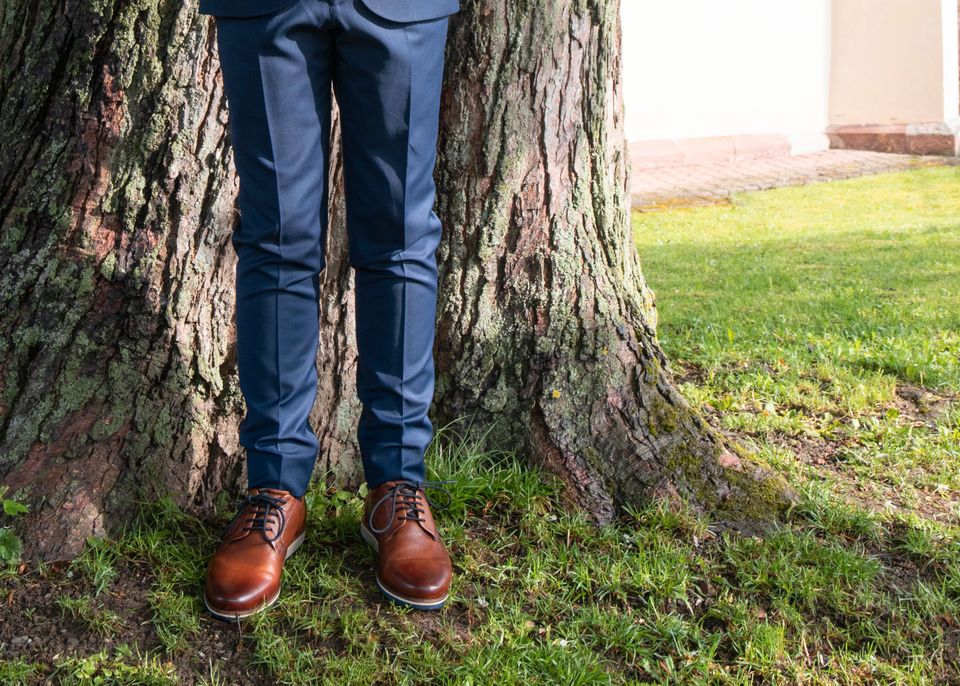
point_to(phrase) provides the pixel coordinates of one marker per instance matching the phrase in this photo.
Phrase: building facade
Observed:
(751, 78)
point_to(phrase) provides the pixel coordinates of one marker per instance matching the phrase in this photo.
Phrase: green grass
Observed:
(795, 316)
(853, 283)
(543, 597)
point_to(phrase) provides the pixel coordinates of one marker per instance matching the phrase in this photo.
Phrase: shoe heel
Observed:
(295, 545)
(369, 537)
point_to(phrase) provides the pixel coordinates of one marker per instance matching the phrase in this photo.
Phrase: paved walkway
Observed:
(698, 184)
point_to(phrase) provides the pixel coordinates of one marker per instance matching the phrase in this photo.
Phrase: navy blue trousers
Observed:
(278, 69)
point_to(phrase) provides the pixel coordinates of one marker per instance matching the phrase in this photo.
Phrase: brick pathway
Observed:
(697, 184)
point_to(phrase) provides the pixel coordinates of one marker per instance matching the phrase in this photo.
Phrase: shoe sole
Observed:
(235, 615)
(391, 595)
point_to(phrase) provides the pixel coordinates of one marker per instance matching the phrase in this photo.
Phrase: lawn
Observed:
(818, 326)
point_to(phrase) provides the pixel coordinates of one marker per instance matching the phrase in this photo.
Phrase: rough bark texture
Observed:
(117, 369)
(547, 326)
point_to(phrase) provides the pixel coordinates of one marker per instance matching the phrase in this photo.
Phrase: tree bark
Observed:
(117, 358)
(547, 325)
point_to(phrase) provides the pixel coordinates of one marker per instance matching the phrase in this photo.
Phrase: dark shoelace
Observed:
(267, 505)
(406, 493)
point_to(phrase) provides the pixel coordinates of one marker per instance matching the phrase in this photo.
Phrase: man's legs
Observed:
(277, 71)
(387, 79)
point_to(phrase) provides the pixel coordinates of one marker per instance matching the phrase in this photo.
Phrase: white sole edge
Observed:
(367, 536)
(294, 546)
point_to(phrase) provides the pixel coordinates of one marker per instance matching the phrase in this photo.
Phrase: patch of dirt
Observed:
(687, 372)
(918, 407)
(921, 407)
(823, 454)
(34, 627)
(663, 202)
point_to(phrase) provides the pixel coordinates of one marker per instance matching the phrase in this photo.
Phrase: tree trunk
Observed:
(547, 327)
(117, 359)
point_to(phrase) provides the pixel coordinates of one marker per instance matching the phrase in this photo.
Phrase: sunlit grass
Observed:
(801, 311)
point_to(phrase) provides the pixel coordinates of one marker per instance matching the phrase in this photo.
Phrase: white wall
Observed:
(894, 62)
(696, 68)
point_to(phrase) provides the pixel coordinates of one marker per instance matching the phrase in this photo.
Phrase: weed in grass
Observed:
(124, 668)
(101, 620)
(19, 672)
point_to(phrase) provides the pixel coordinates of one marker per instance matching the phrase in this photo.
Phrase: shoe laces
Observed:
(404, 496)
(269, 510)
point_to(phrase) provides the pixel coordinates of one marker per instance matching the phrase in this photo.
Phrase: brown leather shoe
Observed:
(413, 567)
(243, 576)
